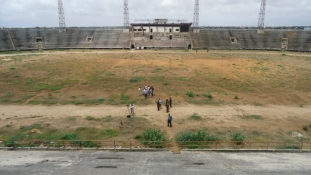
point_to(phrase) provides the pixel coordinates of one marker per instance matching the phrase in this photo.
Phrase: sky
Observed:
(44, 13)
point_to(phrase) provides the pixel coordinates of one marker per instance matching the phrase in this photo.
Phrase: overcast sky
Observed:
(32, 13)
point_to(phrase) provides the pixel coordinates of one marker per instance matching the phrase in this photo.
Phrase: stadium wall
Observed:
(115, 38)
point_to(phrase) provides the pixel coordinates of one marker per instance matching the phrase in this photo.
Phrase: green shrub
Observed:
(70, 136)
(137, 137)
(210, 96)
(190, 94)
(195, 116)
(124, 97)
(165, 83)
(236, 97)
(200, 135)
(305, 128)
(237, 137)
(153, 135)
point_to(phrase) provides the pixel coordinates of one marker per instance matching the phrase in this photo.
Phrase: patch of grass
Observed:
(190, 94)
(33, 102)
(305, 128)
(124, 97)
(257, 117)
(135, 79)
(69, 136)
(109, 133)
(153, 135)
(290, 147)
(238, 138)
(138, 137)
(71, 119)
(30, 127)
(200, 135)
(236, 97)
(108, 118)
(90, 118)
(43, 86)
(195, 116)
(165, 83)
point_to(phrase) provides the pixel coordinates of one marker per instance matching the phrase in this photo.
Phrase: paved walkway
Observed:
(152, 163)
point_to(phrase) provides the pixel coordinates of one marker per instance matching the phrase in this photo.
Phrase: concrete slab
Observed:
(149, 163)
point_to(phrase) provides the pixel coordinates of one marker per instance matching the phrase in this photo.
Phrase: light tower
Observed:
(261, 20)
(126, 15)
(61, 15)
(196, 14)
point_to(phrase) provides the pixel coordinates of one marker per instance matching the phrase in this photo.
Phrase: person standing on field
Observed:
(160, 103)
(139, 91)
(167, 104)
(170, 101)
(132, 109)
(169, 120)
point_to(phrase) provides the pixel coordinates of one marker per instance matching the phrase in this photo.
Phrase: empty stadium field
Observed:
(265, 95)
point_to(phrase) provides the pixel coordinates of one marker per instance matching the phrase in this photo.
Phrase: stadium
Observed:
(240, 98)
(156, 33)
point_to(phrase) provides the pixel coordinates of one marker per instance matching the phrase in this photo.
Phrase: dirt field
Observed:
(264, 95)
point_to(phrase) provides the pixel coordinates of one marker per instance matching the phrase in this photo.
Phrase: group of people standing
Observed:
(148, 91)
(168, 104)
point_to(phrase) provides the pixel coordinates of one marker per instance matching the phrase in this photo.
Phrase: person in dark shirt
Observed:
(169, 120)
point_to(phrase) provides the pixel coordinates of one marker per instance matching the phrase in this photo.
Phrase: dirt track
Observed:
(215, 118)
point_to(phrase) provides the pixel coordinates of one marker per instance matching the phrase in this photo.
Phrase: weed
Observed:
(30, 127)
(153, 135)
(44, 86)
(124, 97)
(108, 118)
(135, 79)
(138, 137)
(34, 102)
(305, 128)
(166, 83)
(71, 119)
(238, 138)
(200, 135)
(90, 118)
(190, 94)
(290, 147)
(195, 116)
(257, 117)
(70, 136)
(236, 97)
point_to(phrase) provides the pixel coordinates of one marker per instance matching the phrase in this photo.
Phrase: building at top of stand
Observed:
(160, 33)
(161, 26)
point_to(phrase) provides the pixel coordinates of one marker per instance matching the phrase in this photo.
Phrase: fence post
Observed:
(268, 145)
(301, 145)
(250, 145)
(114, 144)
(216, 145)
(130, 145)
